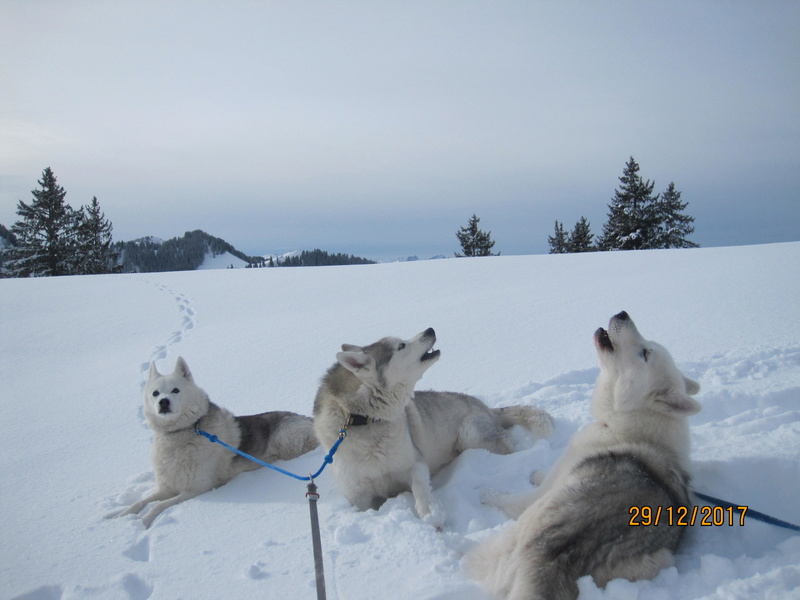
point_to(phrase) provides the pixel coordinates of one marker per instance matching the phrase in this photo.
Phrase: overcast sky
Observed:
(378, 128)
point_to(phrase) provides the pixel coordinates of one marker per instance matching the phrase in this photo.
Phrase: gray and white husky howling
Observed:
(582, 519)
(398, 438)
(187, 464)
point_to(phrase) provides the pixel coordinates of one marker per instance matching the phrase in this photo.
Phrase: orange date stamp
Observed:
(706, 516)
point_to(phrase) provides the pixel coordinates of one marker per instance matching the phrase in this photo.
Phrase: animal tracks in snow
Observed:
(46, 592)
(133, 586)
(136, 587)
(746, 394)
(140, 551)
(188, 320)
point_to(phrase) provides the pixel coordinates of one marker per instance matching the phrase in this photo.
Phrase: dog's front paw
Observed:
(435, 519)
(430, 512)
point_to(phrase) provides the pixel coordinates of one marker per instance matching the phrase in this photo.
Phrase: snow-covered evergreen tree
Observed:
(46, 235)
(474, 242)
(95, 240)
(7, 241)
(673, 224)
(559, 240)
(631, 221)
(580, 240)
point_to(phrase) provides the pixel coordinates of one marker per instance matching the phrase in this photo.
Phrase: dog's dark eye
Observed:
(645, 354)
(155, 394)
(401, 346)
(175, 391)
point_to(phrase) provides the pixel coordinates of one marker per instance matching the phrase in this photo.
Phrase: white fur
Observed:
(410, 436)
(187, 464)
(640, 404)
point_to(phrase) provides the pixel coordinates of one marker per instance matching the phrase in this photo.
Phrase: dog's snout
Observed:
(429, 332)
(623, 316)
(163, 405)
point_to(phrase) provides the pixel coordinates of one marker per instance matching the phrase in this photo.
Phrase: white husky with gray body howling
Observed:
(187, 464)
(636, 454)
(397, 439)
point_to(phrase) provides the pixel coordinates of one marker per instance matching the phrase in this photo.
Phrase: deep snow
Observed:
(512, 329)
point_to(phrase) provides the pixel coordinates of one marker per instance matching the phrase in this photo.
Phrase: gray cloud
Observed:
(378, 128)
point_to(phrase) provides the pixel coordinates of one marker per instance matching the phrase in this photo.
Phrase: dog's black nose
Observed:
(163, 405)
(429, 332)
(623, 316)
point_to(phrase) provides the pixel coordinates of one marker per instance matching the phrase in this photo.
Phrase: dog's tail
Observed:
(535, 420)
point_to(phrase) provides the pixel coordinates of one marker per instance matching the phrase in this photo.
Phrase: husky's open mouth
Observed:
(430, 355)
(428, 337)
(602, 340)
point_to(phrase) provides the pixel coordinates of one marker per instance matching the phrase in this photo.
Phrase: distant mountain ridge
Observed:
(200, 250)
(320, 258)
(186, 253)
(197, 249)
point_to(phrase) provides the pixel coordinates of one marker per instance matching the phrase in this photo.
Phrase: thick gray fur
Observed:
(634, 455)
(409, 436)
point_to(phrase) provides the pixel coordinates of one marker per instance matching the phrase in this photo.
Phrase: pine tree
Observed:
(558, 241)
(580, 240)
(95, 240)
(631, 218)
(673, 224)
(46, 235)
(7, 241)
(474, 242)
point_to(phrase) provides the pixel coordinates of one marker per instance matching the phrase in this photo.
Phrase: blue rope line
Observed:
(751, 514)
(326, 461)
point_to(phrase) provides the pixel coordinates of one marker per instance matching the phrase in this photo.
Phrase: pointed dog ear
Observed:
(676, 404)
(153, 372)
(355, 360)
(351, 348)
(182, 369)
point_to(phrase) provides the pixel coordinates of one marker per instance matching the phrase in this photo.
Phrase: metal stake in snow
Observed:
(313, 496)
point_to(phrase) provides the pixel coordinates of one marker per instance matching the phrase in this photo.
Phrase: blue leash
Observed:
(326, 461)
(311, 494)
(751, 514)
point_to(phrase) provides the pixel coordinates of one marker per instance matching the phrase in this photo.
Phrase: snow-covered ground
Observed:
(512, 329)
(226, 260)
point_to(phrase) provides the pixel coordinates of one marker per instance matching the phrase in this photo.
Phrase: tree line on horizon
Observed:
(320, 258)
(637, 220)
(53, 239)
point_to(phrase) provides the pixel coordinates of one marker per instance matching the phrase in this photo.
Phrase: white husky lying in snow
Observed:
(187, 464)
(636, 454)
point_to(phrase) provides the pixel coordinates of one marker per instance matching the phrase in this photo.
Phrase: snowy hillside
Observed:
(226, 260)
(511, 330)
